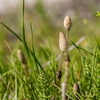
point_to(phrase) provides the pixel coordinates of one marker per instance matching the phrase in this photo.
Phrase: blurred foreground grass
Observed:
(41, 83)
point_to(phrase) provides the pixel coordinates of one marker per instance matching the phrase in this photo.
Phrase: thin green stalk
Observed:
(93, 66)
(15, 68)
(15, 86)
(67, 35)
(23, 35)
(33, 47)
(4, 97)
(53, 66)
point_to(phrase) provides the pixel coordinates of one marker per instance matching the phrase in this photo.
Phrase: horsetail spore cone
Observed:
(67, 22)
(76, 90)
(21, 56)
(22, 59)
(62, 41)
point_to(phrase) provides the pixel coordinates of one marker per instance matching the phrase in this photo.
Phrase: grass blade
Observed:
(33, 47)
(12, 31)
(81, 48)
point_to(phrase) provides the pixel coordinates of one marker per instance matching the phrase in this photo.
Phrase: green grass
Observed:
(42, 81)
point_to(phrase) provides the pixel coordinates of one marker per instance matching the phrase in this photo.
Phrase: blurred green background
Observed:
(47, 18)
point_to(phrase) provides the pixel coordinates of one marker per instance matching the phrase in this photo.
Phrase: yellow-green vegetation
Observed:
(29, 65)
(98, 14)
